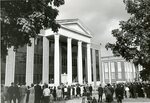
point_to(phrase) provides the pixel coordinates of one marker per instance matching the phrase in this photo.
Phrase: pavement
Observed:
(128, 100)
(125, 100)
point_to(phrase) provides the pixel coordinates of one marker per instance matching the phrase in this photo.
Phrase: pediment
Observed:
(74, 25)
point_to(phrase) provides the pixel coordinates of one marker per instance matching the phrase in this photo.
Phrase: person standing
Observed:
(78, 91)
(46, 94)
(119, 93)
(32, 94)
(23, 91)
(38, 93)
(73, 91)
(108, 94)
(17, 94)
(11, 92)
(68, 92)
(54, 93)
(63, 93)
(94, 100)
(59, 93)
(127, 91)
(90, 89)
(84, 91)
(100, 93)
(112, 91)
(84, 100)
(28, 93)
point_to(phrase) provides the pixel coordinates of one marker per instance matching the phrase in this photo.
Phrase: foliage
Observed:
(133, 36)
(23, 19)
(145, 74)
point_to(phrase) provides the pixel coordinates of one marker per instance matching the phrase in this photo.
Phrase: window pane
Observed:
(119, 66)
(106, 75)
(119, 75)
(112, 67)
(106, 67)
(113, 75)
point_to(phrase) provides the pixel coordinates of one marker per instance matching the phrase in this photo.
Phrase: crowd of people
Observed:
(38, 93)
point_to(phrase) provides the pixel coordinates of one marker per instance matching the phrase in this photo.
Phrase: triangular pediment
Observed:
(74, 25)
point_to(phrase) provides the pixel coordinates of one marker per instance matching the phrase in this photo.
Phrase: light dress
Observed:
(31, 95)
(127, 92)
(59, 93)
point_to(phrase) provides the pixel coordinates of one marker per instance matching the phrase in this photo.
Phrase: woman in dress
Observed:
(59, 93)
(32, 93)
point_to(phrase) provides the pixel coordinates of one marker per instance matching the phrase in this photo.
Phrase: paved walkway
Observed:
(129, 100)
(125, 100)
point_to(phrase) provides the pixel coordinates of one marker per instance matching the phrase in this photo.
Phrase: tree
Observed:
(133, 35)
(23, 19)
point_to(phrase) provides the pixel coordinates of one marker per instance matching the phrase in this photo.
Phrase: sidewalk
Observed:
(129, 100)
(125, 100)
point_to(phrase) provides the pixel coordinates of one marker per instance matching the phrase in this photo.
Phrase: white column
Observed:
(69, 61)
(134, 71)
(103, 73)
(79, 60)
(100, 66)
(89, 63)
(45, 73)
(10, 67)
(94, 66)
(30, 63)
(109, 71)
(56, 61)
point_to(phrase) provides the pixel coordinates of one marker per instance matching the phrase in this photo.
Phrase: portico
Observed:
(78, 42)
(77, 34)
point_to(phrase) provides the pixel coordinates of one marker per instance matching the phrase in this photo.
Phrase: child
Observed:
(84, 100)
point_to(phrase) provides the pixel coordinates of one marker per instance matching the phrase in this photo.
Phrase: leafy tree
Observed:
(23, 19)
(133, 35)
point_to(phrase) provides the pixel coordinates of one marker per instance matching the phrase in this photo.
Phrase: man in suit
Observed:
(11, 92)
(119, 93)
(16, 93)
(90, 89)
(100, 93)
(38, 93)
(78, 91)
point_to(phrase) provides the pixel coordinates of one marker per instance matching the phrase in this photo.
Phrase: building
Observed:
(51, 55)
(67, 56)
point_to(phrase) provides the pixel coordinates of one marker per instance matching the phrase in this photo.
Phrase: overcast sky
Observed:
(99, 16)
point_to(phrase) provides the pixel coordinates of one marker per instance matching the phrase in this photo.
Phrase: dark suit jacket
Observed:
(38, 92)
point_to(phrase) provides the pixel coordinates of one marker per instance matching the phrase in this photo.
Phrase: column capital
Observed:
(56, 36)
(88, 44)
(93, 49)
(79, 42)
(69, 38)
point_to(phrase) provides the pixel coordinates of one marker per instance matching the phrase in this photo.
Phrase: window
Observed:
(119, 75)
(119, 70)
(113, 75)
(112, 67)
(106, 70)
(119, 66)
(106, 75)
(106, 67)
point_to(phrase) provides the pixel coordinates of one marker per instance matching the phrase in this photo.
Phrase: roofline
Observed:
(71, 21)
(75, 31)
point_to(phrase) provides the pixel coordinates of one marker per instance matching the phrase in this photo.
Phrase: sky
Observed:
(99, 16)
